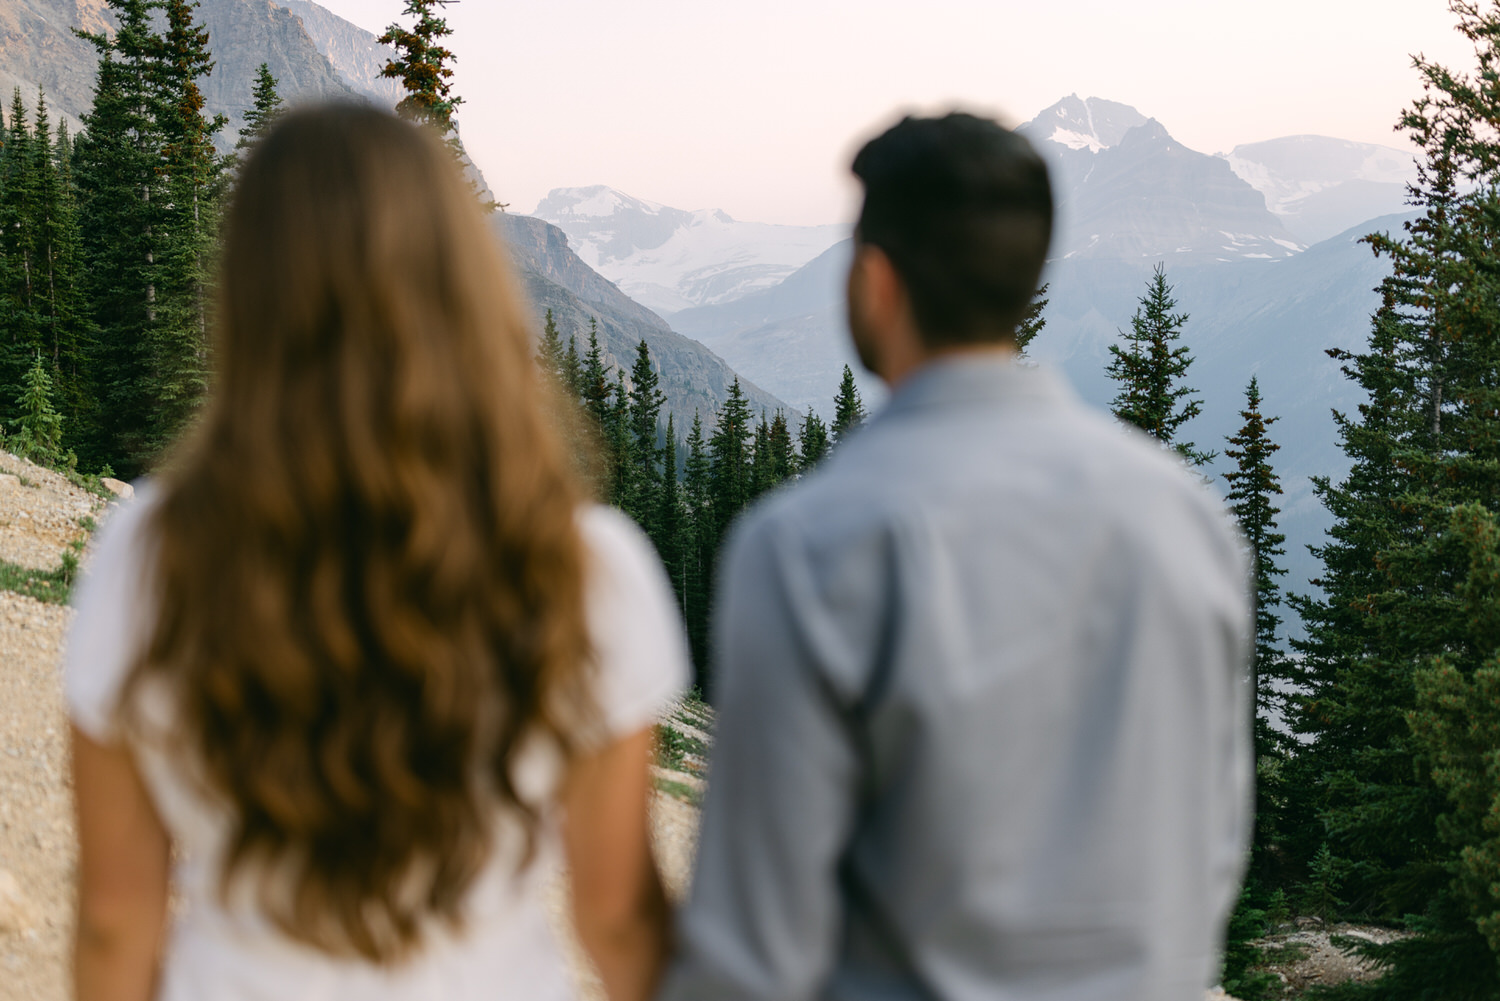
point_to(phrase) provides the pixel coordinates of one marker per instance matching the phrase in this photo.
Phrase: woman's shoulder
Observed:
(640, 644)
(111, 618)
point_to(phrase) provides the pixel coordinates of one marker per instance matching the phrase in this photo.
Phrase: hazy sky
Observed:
(757, 108)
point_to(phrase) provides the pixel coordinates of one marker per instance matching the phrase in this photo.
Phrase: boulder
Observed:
(119, 488)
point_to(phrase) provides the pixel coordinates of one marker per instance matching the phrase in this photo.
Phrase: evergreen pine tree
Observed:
(1396, 614)
(848, 408)
(701, 540)
(812, 441)
(423, 64)
(669, 526)
(123, 199)
(624, 478)
(39, 425)
(63, 320)
(1032, 321)
(1150, 370)
(18, 240)
(645, 403)
(265, 105)
(1253, 487)
(783, 464)
(572, 369)
(730, 451)
(179, 343)
(549, 350)
(761, 477)
(594, 390)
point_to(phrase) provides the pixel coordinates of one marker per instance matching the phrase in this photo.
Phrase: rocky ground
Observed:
(42, 516)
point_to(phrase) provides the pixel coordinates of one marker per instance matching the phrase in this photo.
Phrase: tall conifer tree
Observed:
(701, 540)
(848, 408)
(1033, 321)
(812, 441)
(1253, 489)
(123, 200)
(1150, 369)
(1423, 449)
(180, 335)
(645, 403)
(731, 483)
(424, 65)
(19, 194)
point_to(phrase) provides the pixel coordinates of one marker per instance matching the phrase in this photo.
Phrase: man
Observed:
(984, 724)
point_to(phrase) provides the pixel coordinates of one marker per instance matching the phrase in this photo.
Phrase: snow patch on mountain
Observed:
(1320, 186)
(669, 259)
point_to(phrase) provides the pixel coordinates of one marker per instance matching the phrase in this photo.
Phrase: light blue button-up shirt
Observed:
(984, 724)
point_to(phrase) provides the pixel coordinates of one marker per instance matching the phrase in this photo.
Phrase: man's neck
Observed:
(901, 369)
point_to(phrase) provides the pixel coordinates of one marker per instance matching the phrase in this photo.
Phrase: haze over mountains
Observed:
(668, 259)
(1261, 244)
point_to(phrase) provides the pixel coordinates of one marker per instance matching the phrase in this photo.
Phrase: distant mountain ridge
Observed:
(694, 379)
(1126, 189)
(669, 259)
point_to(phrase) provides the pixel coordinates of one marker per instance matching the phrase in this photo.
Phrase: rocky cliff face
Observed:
(39, 50)
(351, 49)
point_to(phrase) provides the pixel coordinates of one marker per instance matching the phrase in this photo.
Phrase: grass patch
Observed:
(679, 791)
(50, 586)
(680, 752)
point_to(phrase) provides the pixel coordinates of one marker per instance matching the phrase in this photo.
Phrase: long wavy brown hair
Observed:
(370, 575)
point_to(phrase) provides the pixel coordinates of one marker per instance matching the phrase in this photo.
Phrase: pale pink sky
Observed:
(756, 108)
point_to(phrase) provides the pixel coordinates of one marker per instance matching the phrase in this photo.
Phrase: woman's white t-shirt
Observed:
(227, 951)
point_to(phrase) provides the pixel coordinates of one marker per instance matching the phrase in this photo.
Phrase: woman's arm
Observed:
(123, 859)
(619, 907)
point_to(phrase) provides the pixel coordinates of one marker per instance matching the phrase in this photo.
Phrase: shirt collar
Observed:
(962, 379)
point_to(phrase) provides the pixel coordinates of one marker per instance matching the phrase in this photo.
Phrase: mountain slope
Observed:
(668, 259)
(1126, 189)
(38, 49)
(352, 51)
(693, 378)
(791, 336)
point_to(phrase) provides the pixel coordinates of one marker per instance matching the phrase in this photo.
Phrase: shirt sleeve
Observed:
(637, 634)
(110, 621)
(765, 911)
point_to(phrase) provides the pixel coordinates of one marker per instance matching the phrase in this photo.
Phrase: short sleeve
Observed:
(638, 636)
(111, 619)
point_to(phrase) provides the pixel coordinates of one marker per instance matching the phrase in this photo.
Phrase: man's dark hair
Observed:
(963, 209)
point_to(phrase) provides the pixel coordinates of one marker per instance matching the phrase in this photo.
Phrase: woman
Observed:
(363, 659)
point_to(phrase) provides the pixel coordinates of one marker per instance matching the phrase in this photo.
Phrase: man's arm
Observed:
(765, 915)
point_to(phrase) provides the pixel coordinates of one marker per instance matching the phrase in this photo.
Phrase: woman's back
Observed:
(363, 636)
(229, 949)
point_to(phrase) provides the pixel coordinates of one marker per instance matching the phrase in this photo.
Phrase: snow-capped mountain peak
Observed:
(1093, 123)
(593, 202)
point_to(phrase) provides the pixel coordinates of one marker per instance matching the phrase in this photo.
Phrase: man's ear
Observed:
(874, 279)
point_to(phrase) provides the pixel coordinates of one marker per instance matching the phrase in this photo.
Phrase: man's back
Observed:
(984, 723)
